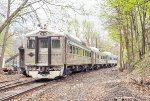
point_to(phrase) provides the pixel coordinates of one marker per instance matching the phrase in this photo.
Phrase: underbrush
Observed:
(141, 70)
(142, 65)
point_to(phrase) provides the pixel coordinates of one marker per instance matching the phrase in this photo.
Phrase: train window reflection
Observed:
(55, 43)
(43, 43)
(31, 44)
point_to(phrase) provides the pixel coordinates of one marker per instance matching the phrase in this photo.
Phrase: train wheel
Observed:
(87, 69)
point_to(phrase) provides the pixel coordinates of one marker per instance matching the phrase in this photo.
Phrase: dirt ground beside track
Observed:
(99, 85)
(6, 77)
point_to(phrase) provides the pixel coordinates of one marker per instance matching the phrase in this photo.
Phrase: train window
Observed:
(55, 43)
(77, 50)
(98, 56)
(87, 54)
(70, 51)
(43, 43)
(83, 52)
(74, 50)
(31, 44)
(103, 57)
(90, 54)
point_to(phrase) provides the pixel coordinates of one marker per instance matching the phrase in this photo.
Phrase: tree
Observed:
(89, 33)
(74, 27)
(131, 20)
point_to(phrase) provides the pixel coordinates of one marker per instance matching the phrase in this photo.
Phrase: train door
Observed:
(57, 50)
(43, 51)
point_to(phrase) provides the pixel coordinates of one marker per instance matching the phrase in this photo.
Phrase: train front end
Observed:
(44, 54)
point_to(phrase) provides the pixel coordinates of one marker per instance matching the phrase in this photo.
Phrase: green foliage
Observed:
(8, 50)
(86, 28)
(74, 27)
(114, 33)
(129, 19)
(89, 32)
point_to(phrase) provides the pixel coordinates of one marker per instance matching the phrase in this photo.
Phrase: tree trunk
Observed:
(132, 37)
(5, 37)
(121, 41)
(136, 31)
(143, 23)
(6, 25)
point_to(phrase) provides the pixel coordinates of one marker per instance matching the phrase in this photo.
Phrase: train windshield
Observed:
(43, 43)
(31, 43)
(55, 43)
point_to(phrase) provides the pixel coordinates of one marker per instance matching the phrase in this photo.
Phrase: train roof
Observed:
(109, 54)
(39, 32)
(75, 39)
(94, 49)
(77, 42)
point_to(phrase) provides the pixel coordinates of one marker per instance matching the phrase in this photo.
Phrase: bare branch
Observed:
(36, 15)
(31, 11)
(2, 14)
(12, 2)
(66, 6)
(32, 3)
(7, 21)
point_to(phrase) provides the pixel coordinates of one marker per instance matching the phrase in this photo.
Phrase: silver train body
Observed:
(49, 55)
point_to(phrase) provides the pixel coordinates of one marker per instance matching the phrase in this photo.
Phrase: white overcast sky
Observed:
(91, 6)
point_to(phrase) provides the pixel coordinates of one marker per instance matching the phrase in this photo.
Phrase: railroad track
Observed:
(12, 89)
(1, 82)
(14, 84)
(23, 88)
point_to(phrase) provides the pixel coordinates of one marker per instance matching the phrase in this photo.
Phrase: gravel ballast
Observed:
(99, 85)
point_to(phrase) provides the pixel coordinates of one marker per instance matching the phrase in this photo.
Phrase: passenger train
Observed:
(46, 54)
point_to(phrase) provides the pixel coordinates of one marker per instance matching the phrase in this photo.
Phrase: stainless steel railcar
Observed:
(49, 55)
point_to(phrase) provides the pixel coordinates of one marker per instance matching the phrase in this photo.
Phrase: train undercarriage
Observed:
(52, 72)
